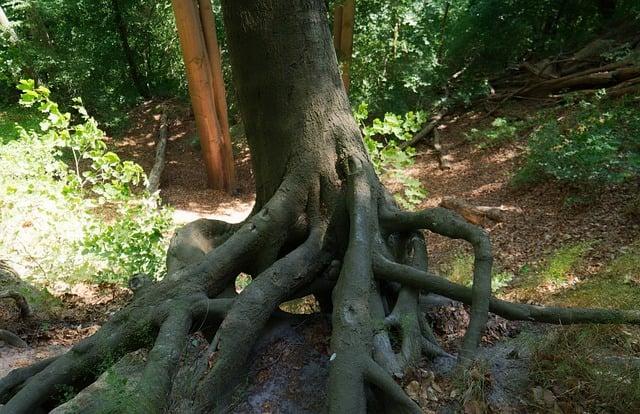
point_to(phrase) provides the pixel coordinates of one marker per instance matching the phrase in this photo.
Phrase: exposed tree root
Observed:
(12, 339)
(21, 302)
(379, 285)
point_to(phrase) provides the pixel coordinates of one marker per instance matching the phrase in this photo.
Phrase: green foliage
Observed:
(460, 270)
(12, 115)
(395, 54)
(242, 281)
(500, 132)
(76, 47)
(581, 365)
(595, 144)
(407, 52)
(382, 140)
(68, 206)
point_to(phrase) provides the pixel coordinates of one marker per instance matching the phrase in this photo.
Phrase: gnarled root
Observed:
(379, 281)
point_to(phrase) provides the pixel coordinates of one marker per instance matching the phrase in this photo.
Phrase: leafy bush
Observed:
(68, 206)
(382, 139)
(595, 144)
(501, 131)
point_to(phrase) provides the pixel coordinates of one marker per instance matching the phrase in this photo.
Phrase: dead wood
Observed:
(441, 152)
(477, 215)
(426, 130)
(161, 147)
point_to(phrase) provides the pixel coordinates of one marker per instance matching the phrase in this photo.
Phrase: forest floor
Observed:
(554, 246)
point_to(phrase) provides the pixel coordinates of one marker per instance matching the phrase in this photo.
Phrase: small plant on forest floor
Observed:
(473, 385)
(382, 140)
(65, 393)
(460, 270)
(242, 281)
(69, 207)
(590, 367)
(500, 132)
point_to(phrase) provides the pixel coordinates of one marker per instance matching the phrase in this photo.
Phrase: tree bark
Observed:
(216, 147)
(213, 51)
(343, 24)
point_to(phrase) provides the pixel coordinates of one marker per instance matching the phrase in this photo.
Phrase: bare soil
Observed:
(540, 219)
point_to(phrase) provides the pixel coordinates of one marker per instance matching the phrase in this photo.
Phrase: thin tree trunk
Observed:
(121, 25)
(443, 29)
(219, 93)
(337, 27)
(219, 163)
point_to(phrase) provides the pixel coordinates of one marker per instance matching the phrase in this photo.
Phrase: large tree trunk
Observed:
(323, 224)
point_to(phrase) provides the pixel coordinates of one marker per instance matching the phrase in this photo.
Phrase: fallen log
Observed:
(161, 147)
(477, 215)
(587, 79)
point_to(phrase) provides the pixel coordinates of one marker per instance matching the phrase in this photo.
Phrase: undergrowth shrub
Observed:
(69, 207)
(596, 144)
(382, 139)
(500, 132)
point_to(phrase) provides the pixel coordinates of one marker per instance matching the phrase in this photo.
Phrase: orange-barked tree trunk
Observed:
(343, 21)
(194, 20)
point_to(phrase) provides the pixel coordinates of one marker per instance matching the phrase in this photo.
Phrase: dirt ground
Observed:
(539, 219)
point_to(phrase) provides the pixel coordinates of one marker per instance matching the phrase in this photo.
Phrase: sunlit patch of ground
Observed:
(582, 368)
(229, 212)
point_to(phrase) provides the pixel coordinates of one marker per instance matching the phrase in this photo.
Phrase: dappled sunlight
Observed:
(230, 212)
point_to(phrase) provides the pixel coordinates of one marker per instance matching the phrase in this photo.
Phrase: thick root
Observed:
(379, 289)
(351, 366)
(449, 224)
(160, 313)
(406, 275)
(249, 314)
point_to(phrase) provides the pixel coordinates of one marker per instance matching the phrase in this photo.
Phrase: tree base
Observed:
(376, 288)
